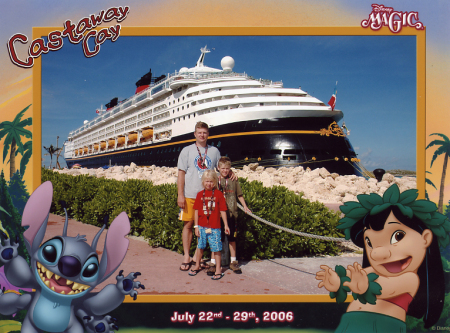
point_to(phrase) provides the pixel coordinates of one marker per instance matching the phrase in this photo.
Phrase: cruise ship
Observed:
(251, 120)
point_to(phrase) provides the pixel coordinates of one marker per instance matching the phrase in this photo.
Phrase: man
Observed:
(192, 162)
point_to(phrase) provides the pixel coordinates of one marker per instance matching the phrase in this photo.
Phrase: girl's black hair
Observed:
(429, 300)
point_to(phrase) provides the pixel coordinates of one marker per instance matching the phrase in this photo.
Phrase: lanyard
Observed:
(223, 189)
(208, 208)
(202, 159)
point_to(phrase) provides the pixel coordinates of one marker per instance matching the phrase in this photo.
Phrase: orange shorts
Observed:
(188, 213)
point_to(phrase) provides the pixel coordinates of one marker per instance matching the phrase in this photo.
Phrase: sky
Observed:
(376, 77)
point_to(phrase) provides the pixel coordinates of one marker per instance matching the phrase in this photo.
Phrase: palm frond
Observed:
(439, 151)
(7, 145)
(24, 161)
(442, 136)
(429, 182)
(19, 115)
(435, 143)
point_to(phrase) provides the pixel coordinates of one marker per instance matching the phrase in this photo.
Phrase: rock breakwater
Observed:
(316, 185)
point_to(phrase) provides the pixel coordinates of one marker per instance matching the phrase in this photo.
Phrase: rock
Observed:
(316, 185)
(253, 166)
(387, 177)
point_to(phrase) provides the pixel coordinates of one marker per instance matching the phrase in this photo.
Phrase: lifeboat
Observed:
(111, 143)
(120, 141)
(86, 150)
(132, 138)
(147, 134)
(96, 147)
(102, 145)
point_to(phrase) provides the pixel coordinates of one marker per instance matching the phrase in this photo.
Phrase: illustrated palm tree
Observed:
(14, 131)
(51, 151)
(443, 148)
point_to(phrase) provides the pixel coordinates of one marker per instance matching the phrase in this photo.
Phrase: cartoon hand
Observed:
(99, 324)
(127, 284)
(359, 282)
(330, 279)
(9, 250)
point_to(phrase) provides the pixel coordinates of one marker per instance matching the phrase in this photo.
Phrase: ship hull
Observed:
(308, 142)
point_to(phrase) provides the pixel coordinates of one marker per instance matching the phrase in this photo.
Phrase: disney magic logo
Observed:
(82, 32)
(395, 20)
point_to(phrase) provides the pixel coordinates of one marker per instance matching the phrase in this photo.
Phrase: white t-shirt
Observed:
(189, 161)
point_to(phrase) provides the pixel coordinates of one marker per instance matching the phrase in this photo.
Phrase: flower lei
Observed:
(406, 201)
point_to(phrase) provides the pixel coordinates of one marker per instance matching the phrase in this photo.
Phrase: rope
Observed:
(295, 232)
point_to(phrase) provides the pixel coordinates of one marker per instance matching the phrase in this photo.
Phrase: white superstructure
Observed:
(169, 109)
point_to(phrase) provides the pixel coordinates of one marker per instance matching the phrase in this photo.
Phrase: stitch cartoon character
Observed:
(63, 272)
(401, 272)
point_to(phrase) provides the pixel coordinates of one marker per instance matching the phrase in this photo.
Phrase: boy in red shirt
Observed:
(209, 206)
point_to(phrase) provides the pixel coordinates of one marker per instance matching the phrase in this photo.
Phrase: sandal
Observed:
(217, 276)
(194, 272)
(186, 266)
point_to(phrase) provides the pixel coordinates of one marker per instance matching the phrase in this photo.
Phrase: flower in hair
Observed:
(406, 201)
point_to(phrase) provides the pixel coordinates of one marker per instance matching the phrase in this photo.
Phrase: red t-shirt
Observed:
(214, 217)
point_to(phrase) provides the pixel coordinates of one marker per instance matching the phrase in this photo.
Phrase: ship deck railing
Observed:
(133, 100)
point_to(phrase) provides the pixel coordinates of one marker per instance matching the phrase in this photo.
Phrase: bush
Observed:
(153, 214)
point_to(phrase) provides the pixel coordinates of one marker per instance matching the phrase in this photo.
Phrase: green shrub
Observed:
(153, 214)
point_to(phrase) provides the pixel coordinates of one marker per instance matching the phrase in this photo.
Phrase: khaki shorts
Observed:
(188, 213)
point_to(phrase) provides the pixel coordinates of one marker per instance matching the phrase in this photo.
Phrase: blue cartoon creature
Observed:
(64, 270)
(401, 272)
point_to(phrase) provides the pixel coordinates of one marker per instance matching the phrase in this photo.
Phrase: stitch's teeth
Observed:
(68, 282)
(53, 288)
(62, 292)
(57, 277)
(77, 286)
(39, 265)
(71, 293)
(47, 283)
(48, 274)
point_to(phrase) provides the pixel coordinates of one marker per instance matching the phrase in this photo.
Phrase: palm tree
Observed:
(14, 131)
(443, 148)
(51, 151)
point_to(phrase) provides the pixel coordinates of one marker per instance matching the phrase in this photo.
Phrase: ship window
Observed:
(178, 109)
(187, 106)
(275, 151)
(292, 151)
(182, 108)
(219, 144)
(212, 143)
(183, 98)
(289, 157)
(178, 98)
(184, 118)
(169, 103)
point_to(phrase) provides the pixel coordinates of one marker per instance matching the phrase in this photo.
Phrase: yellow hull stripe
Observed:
(192, 140)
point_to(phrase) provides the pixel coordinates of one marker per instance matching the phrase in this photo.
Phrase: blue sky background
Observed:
(376, 81)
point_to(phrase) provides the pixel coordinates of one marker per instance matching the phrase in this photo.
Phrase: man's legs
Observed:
(187, 240)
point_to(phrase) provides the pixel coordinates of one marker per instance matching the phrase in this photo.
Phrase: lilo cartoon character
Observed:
(401, 272)
(64, 270)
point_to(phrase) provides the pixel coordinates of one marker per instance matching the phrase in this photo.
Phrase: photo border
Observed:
(38, 32)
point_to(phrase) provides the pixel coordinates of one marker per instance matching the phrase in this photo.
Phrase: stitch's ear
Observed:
(35, 216)
(116, 246)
